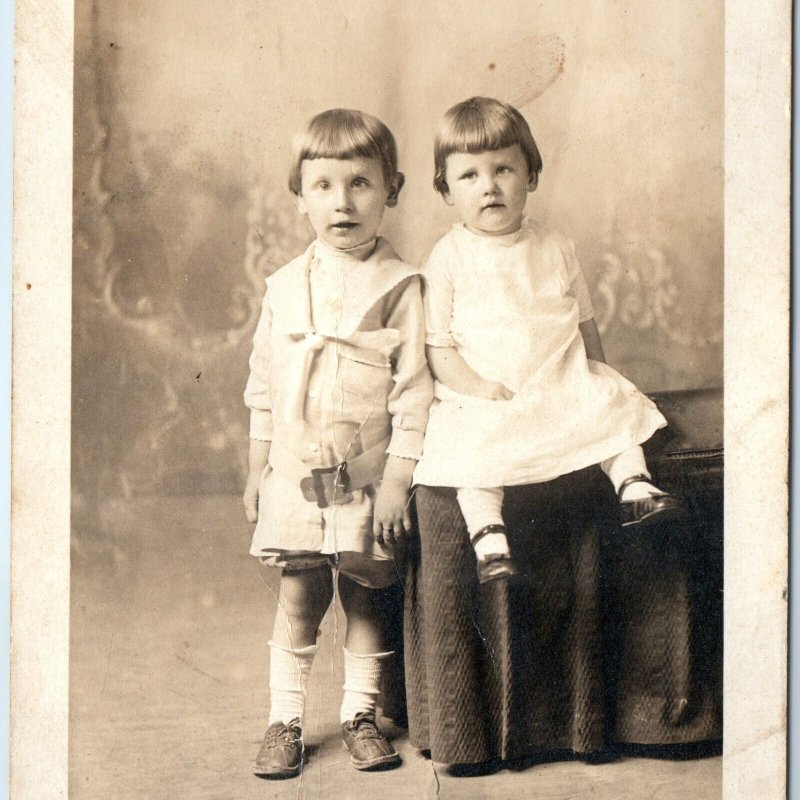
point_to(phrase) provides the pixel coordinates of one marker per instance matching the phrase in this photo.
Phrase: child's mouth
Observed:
(493, 205)
(344, 226)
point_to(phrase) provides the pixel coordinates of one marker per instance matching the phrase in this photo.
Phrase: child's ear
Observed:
(395, 185)
(301, 204)
(533, 181)
(447, 198)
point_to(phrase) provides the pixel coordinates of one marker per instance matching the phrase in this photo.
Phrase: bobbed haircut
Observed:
(478, 124)
(344, 133)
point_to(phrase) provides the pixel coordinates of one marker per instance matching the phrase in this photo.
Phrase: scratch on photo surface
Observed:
(199, 671)
(489, 648)
(108, 660)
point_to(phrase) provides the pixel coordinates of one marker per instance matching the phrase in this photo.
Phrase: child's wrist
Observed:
(399, 470)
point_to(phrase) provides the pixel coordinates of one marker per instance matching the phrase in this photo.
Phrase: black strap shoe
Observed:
(281, 754)
(367, 746)
(493, 566)
(655, 509)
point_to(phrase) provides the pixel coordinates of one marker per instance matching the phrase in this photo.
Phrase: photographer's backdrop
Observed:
(184, 116)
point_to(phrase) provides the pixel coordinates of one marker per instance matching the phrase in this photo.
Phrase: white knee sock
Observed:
(362, 683)
(625, 465)
(288, 675)
(482, 507)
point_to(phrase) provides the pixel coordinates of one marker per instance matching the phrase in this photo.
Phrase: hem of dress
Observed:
(522, 477)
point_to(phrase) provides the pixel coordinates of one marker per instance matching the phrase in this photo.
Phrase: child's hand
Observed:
(250, 498)
(494, 390)
(257, 460)
(391, 517)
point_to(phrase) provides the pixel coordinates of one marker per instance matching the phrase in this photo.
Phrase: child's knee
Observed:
(305, 593)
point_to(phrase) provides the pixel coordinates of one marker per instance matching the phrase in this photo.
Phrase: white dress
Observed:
(505, 304)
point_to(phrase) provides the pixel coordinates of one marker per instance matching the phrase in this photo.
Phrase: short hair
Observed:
(478, 124)
(344, 133)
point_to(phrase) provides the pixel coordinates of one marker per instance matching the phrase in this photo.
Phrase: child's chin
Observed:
(497, 230)
(348, 240)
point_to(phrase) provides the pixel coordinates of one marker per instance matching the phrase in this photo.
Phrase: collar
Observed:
(506, 240)
(361, 252)
(365, 282)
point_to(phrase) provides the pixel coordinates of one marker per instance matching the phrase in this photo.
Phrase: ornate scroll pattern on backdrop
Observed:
(171, 350)
(275, 235)
(639, 291)
(170, 254)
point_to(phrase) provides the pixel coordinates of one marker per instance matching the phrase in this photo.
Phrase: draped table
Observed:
(605, 638)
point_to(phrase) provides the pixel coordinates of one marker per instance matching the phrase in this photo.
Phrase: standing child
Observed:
(522, 391)
(339, 392)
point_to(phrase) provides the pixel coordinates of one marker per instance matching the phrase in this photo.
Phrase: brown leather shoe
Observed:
(655, 509)
(367, 746)
(281, 754)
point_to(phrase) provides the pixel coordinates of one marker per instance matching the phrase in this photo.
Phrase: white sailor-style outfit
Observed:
(338, 380)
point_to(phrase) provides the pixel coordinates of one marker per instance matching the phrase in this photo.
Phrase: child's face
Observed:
(489, 189)
(344, 198)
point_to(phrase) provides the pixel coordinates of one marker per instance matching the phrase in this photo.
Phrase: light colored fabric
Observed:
(580, 291)
(362, 683)
(338, 366)
(351, 363)
(481, 507)
(288, 525)
(288, 678)
(503, 302)
(625, 465)
(365, 570)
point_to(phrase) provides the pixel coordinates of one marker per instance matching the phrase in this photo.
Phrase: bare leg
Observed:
(362, 609)
(364, 654)
(304, 597)
(302, 602)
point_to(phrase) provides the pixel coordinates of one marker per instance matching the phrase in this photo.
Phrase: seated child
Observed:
(522, 391)
(339, 392)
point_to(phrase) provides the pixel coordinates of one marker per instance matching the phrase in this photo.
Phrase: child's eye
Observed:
(469, 175)
(503, 170)
(360, 182)
(323, 185)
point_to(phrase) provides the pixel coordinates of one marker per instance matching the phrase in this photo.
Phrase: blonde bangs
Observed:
(344, 133)
(479, 124)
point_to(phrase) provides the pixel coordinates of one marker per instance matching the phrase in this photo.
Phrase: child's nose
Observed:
(343, 198)
(489, 184)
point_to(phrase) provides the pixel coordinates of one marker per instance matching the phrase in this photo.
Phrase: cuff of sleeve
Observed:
(261, 425)
(406, 444)
(439, 340)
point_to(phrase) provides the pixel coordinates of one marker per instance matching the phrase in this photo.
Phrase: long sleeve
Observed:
(257, 391)
(412, 393)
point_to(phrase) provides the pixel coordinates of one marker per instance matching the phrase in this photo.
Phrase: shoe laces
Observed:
(288, 734)
(363, 727)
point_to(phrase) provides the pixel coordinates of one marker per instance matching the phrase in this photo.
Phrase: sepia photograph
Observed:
(394, 437)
